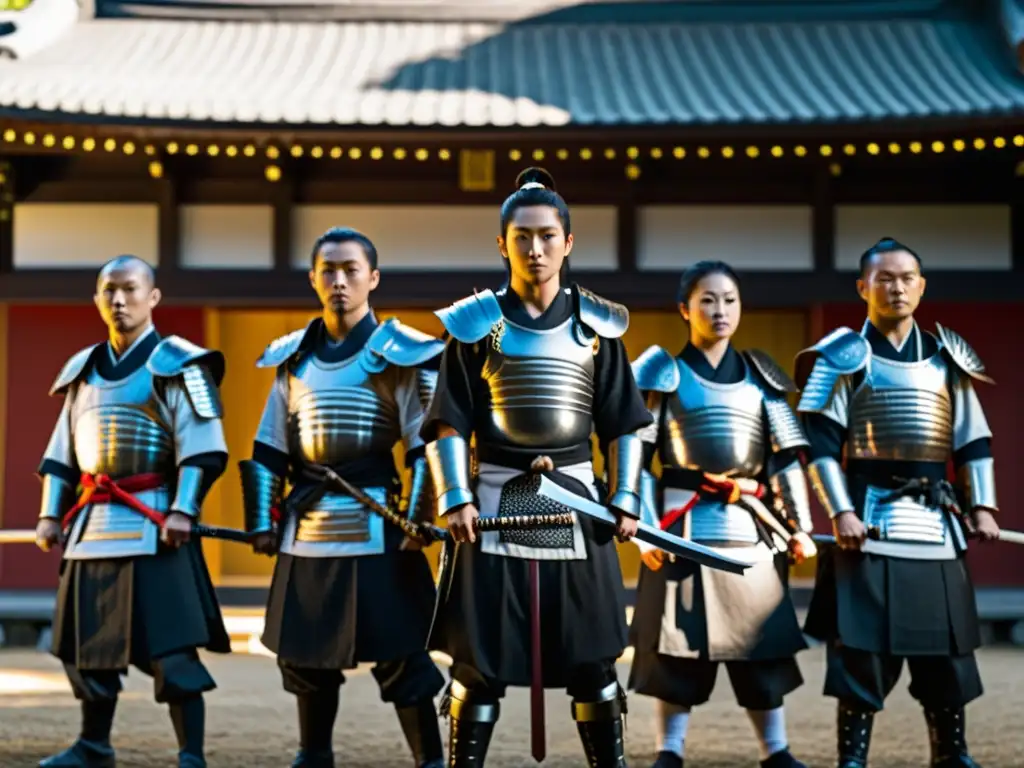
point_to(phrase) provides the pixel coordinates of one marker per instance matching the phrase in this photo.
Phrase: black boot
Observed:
(317, 712)
(947, 731)
(419, 724)
(853, 733)
(782, 759)
(471, 724)
(668, 760)
(600, 725)
(189, 719)
(93, 749)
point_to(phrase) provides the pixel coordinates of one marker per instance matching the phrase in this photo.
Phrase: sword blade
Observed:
(16, 536)
(664, 541)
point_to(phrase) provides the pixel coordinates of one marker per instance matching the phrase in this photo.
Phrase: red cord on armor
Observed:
(100, 488)
(725, 489)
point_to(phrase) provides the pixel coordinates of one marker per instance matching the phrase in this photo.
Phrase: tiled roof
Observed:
(484, 74)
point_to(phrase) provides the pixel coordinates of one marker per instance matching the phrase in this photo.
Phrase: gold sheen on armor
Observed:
(978, 480)
(790, 496)
(829, 482)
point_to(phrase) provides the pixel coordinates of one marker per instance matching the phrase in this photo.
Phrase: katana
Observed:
(200, 530)
(430, 533)
(656, 537)
(875, 534)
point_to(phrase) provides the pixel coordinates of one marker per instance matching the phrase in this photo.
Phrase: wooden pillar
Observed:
(283, 198)
(1017, 223)
(7, 184)
(169, 227)
(627, 235)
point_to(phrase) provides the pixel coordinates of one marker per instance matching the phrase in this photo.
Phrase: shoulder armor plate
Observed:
(769, 371)
(471, 318)
(962, 354)
(282, 348)
(403, 345)
(174, 354)
(606, 318)
(76, 366)
(201, 370)
(844, 350)
(656, 371)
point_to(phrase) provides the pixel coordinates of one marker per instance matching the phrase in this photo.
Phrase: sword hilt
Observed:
(525, 522)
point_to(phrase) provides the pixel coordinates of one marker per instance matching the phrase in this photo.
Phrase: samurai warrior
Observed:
(348, 586)
(136, 448)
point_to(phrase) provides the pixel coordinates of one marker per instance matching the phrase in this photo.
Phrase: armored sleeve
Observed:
(273, 428)
(59, 468)
(200, 448)
(413, 394)
(824, 409)
(263, 476)
(619, 415)
(972, 447)
(787, 442)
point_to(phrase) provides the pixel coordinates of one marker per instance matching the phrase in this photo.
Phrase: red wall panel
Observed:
(40, 340)
(994, 332)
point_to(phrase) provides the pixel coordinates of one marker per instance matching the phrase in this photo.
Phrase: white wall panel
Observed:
(765, 237)
(72, 235)
(945, 236)
(448, 237)
(227, 236)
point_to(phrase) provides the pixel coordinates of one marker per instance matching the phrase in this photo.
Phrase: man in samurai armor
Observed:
(349, 586)
(531, 370)
(136, 448)
(900, 403)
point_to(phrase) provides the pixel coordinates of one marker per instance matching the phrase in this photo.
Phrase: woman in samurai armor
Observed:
(732, 478)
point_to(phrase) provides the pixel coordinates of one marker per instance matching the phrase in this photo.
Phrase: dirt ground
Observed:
(251, 722)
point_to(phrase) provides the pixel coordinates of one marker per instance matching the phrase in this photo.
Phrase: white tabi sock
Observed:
(770, 727)
(672, 721)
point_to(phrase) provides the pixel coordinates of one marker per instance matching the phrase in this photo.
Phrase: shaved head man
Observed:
(126, 295)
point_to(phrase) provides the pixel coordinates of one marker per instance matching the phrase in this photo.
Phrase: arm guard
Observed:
(649, 514)
(261, 492)
(977, 479)
(58, 498)
(830, 485)
(792, 501)
(448, 459)
(188, 494)
(625, 464)
(419, 504)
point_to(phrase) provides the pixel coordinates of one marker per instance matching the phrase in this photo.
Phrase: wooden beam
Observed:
(823, 223)
(168, 228)
(7, 197)
(283, 201)
(429, 290)
(627, 237)
(1017, 227)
